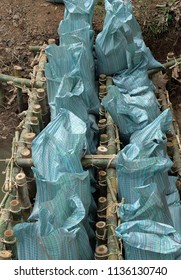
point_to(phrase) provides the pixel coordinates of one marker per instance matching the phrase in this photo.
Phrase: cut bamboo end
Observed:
(17, 70)
(5, 255)
(101, 252)
(37, 108)
(43, 79)
(25, 153)
(102, 202)
(100, 225)
(40, 93)
(101, 150)
(102, 122)
(9, 235)
(29, 137)
(104, 138)
(51, 41)
(34, 120)
(20, 179)
(102, 79)
(170, 56)
(15, 205)
(102, 89)
(102, 175)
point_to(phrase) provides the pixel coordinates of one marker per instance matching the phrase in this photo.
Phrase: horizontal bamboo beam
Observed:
(88, 161)
(21, 81)
(165, 65)
(36, 48)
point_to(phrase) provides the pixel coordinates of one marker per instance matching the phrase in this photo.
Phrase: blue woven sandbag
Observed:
(136, 167)
(149, 240)
(120, 40)
(62, 144)
(79, 9)
(76, 31)
(71, 60)
(71, 96)
(145, 220)
(155, 132)
(130, 113)
(58, 233)
(135, 80)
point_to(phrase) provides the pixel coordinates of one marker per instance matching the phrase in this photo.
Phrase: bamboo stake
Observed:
(15, 210)
(5, 255)
(102, 205)
(23, 195)
(101, 252)
(111, 213)
(101, 233)
(10, 242)
(5, 216)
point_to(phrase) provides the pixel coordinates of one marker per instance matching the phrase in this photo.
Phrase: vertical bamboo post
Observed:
(102, 206)
(10, 242)
(170, 57)
(38, 113)
(101, 252)
(23, 195)
(18, 90)
(101, 233)
(5, 255)
(34, 122)
(102, 183)
(15, 211)
(102, 124)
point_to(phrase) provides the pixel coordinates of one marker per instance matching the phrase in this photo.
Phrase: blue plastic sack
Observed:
(71, 95)
(145, 226)
(76, 31)
(120, 40)
(130, 113)
(58, 233)
(79, 9)
(62, 144)
(71, 60)
(136, 166)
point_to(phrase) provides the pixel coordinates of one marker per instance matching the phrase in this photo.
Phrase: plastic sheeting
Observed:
(120, 40)
(130, 113)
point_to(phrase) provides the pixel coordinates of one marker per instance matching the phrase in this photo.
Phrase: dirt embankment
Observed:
(31, 22)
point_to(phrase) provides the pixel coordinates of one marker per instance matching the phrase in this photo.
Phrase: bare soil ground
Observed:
(32, 22)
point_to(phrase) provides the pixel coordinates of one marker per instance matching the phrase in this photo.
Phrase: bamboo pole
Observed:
(101, 252)
(5, 255)
(101, 233)
(10, 242)
(5, 215)
(21, 81)
(15, 211)
(111, 213)
(36, 49)
(165, 65)
(23, 195)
